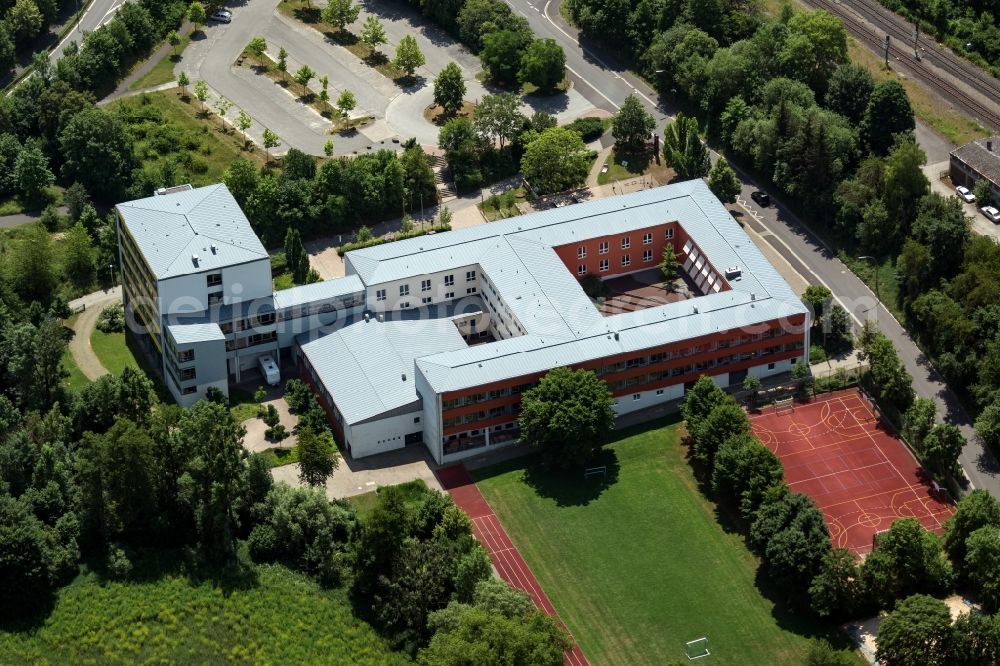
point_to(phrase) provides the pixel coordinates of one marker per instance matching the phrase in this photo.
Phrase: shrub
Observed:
(111, 319)
(589, 129)
(276, 433)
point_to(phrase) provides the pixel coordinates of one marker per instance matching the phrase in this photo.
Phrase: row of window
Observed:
(341, 303)
(253, 322)
(425, 285)
(251, 340)
(626, 243)
(486, 395)
(653, 377)
(626, 261)
(482, 415)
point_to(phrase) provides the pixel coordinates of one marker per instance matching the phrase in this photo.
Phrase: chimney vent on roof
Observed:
(366, 317)
(753, 297)
(404, 376)
(194, 259)
(215, 248)
(616, 335)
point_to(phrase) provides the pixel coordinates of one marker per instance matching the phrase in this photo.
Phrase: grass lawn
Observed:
(112, 351)
(76, 380)
(272, 615)
(638, 565)
(163, 71)
(626, 163)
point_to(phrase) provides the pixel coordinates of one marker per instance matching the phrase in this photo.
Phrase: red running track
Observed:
(490, 533)
(835, 450)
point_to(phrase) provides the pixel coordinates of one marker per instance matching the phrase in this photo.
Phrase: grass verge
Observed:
(269, 614)
(112, 352)
(163, 70)
(278, 457)
(638, 564)
(630, 162)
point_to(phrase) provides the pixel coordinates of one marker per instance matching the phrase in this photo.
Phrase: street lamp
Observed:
(877, 297)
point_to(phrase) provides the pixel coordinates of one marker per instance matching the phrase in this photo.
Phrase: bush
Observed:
(276, 433)
(119, 566)
(817, 354)
(111, 319)
(349, 247)
(589, 129)
(297, 395)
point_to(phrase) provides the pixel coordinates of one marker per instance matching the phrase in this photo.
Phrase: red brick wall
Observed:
(569, 253)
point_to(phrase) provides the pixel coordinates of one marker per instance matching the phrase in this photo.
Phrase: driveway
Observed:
(356, 477)
(941, 183)
(79, 346)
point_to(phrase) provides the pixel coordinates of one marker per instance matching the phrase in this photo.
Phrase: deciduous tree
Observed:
(683, 149)
(197, 15)
(449, 89)
(340, 13)
(632, 124)
(97, 152)
(271, 140)
(917, 632)
(942, 446)
(408, 56)
(501, 54)
(543, 64)
(304, 75)
(257, 48)
(498, 117)
(887, 115)
(723, 182)
(373, 33)
(555, 161)
(31, 171)
(317, 455)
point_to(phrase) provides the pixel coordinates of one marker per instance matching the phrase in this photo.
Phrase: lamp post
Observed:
(877, 297)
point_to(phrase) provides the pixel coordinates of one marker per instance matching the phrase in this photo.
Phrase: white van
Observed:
(272, 375)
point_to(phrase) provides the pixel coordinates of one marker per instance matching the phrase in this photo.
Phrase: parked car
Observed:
(272, 375)
(222, 16)
(762, 198)
(965, 195)
(991, 213)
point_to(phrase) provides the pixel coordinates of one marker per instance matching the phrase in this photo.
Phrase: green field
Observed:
(163, 70)
(112, 351)
(638, 565)
(273, 616)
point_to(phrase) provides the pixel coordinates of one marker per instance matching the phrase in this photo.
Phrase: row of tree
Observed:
(23, 21)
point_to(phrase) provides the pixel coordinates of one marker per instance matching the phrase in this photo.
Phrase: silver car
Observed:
(991, 213)
(222, 16)
(965, 194)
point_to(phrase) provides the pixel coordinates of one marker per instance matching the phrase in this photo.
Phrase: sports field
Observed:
(835, 450)
(638, 564)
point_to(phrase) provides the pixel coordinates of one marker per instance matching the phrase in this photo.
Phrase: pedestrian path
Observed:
(490, 533)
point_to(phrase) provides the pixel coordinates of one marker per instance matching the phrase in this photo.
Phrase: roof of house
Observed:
(367, 367)
(985, 161)
(170, 230)
(318, 292)
(188, 334)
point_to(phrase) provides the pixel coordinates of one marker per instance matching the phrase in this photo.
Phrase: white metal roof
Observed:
(318, 292)
(205, 222)
(368, 367)
(187, 334)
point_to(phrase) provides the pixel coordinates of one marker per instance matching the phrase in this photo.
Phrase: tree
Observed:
(918, 421)
(222, 106)
(632, 125)
(29, 265)
(975, 510)
(790, 533)
(699, 401)
(317, 456)
(175, 40)
(25, 21)
(683, 149)
(196, 14)
(271, 140)
(282, 64)
(324, 93)
(976, 639)
(905, 183)
(97, 152)
(669, 265)
(982, 562)
(815, 47)
(408, 55)
(242, 179)
(850, 88)
(328, 148)
(983, 191)
(79, 256)
(449, 89)
(201, 92)
(31, 171)
(893, 382)
(373, 33)
(876, 232)
(304, 75)
(834, 591)
(942, 446)
(257, 48)
(183, 81)
(744, 469)
(816, 296)
(461, 145)
(567, 416)
(941, 226)
(501, 54)
(31, 558)
(555, 161)
(33, 362)
(726, 420)
(345, 102)
(917, 632)
(723, 182)
(543, 64)
(888, 115)
(340, 13)
(243, 122)
(498, 118)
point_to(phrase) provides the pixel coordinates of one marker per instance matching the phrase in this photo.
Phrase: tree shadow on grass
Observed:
(578, 485)
(308, 14)
(799, 621)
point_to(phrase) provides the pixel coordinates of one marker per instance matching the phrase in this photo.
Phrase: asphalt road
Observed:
(99, 13)
(606, 85)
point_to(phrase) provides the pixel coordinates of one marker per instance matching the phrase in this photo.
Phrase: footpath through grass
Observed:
(275, 616)
(637, 565)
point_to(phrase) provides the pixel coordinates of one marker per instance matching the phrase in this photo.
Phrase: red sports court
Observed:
(835, 450)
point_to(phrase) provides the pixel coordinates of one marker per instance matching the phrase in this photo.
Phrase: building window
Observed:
(470, 276)
(214, 298)
(185, 356)
(425, 285)
(647, 255)
(404, 305)
(626, 243)
(603, 248)
(581, 252)
(425, 300)
(647, 239)
(189, 390)
(581, 269)
(670, 233)
(636, 396)
(470, 290)
(604, 265)
(626, 260)
(449, 280)
(450, 294)
(380, 295)
(416, 419)
(770, 366)
(404, 290)
(214, 279)
(659, 391)
(187, 374)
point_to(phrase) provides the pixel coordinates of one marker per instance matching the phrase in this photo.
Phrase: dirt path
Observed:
(79, 346)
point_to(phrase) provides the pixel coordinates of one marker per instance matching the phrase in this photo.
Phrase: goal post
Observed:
(784, 405)
(697, 648)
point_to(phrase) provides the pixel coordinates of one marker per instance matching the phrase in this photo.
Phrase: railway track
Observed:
(988, 115)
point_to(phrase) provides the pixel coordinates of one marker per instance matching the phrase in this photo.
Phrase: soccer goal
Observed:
(877, 537)
(784, 405)
(698, 648)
